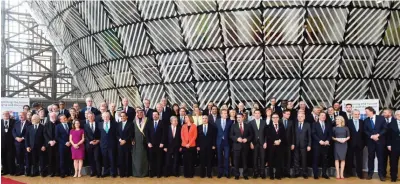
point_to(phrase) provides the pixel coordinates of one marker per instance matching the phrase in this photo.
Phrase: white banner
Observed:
(361, 105)
(14, 105)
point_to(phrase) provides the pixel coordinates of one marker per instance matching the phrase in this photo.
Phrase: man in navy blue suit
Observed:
(35, 146)
(223, 129)
(89, 103)
(108, 143)
(130, 111)
(375, 129)
(388, 115)
(64, 146)
(321, 136)
(393, 145)
(19, 133)
(124, 136)
(92, 140)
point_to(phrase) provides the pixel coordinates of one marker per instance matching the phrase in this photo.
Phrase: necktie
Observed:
(258, 124)
(173, 132)
(315, 118)
(372, 123)
(6, 124)
(161, 115)
(205, 130)
(91, 127)
(356, 124)
(181, 120)
(323, 127)
(22, 127)
(387, 120)
(106, 129)
(66, 127)
(285, 124)
(241, 128)
(42, 121)
(300, 126)
(123, 126)
(35, 128)
(155, 125)
(276, 128)
(223, 125)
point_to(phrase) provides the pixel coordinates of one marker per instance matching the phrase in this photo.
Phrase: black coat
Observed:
(235, 134)
(154, 136)
(7, 137)
(50, 131)
(357, 138)
(34, 139)
(127, 134)
(208, 140)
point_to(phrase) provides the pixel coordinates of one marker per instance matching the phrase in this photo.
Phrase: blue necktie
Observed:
(155, 126)
(205, 130)
(372, 124)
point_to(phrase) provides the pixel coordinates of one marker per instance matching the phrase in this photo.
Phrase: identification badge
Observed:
(6, 130)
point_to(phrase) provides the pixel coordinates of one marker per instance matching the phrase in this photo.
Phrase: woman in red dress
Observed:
(76, 138)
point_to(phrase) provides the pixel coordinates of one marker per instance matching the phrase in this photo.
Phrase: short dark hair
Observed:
(285, 111)
(349, 104)
(239, 114)
(370, 109)
(56, 105)
(214, 106)
(124, 113)
(61, 102)
(257, 110)
(275, 114)
(156, 112)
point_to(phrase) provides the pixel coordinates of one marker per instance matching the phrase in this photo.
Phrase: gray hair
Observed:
(397, 112)
(88, 98)
(173, 118)
(355, 110)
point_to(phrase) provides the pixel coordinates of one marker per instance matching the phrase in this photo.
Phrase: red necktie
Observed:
(241, 129)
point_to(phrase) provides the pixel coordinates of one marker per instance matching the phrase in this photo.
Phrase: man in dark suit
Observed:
(51, 143)
(338, 112)
(154, 133)
(276, 138)
(19, 132)
(258, 144)
(108, 144)
(35, 146)
(172, 146)
(375, 129)
(7, 144)
(64, 146)
(206, 143)
(88, 107)
(356, 145)
(166, 111)
(241, 136)
(130, 111)
(181, 118)
(99, 117)
(330, 116)
(64, 111)
(293, 112)
(223, 127)
(302, 145)
(92, 146)
(388, 115)
(393, 145)
(208, 110)
(349, 111)
(212, 118)
(275, 107)
(125, 131)
(322, 135)
(288, 147)
(148, 112)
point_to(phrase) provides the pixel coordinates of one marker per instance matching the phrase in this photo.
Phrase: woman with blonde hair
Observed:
(341, 135)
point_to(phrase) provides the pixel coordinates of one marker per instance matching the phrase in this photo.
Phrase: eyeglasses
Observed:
(275, 117)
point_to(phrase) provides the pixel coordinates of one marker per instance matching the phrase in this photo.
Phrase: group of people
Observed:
(143, 142)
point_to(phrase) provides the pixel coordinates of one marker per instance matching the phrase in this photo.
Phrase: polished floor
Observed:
(181, 180)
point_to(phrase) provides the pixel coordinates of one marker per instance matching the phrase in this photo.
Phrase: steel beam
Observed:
(31, 86)
(54, 74)
(3, 49)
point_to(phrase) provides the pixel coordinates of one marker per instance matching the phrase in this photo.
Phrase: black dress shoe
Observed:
(316, 177)
(98, 176)
(62, 176)
(382, 178)
(369, 177)
(209, 176)
(393, 180)
(361, 177)
(325, 176)
(228, 176)
(272, 178)
(114, 176)
(278, 178)
(236, 177)
(219, 176)
(92, 175)
(305, 176)
(246, 178)
(255, 176)
(263, 176)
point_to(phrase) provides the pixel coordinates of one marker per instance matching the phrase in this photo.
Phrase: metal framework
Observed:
(30, 65)
(229, 51)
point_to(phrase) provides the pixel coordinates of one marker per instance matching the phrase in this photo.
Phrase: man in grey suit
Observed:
(289, 146)
(302, 145)
(258, 144)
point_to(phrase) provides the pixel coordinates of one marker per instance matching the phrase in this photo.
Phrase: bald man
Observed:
(35, 147)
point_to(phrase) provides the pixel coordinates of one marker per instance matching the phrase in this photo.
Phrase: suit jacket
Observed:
(16, 132)
(93, 109)
(289, 131)
(272, 135)
(211, 119)
(131, 113)
(127, 134)
(223, 133)
(66, 113)
(50, 131)
(331, 120)
(277, 109)
(35, 139)
(208, 140)
(189, 136)
(90, 135)
(166, 114)
(149, 113)
(7, 137)
(259, 135)
(343, 114)
(319, 135)
(380, 127)
(393, 132)
(206, 112)
(180, 122)
(235, 133)
(293, 115)
(62, 136)
(170, 142)
(108, 140)
(357, 138)
(153, 135)
(303, 136)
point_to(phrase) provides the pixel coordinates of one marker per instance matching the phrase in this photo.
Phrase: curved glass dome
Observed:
(228, 51)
